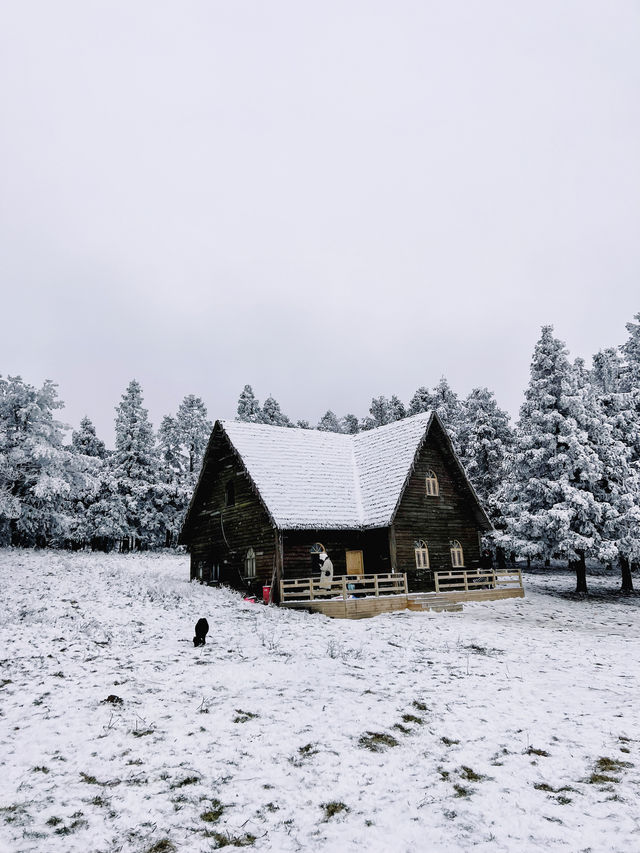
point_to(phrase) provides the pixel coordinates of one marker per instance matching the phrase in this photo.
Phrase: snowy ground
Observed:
(513, 725)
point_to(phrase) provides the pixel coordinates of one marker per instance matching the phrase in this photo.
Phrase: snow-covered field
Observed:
(513, 725)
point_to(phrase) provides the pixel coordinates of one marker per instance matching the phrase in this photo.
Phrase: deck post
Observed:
(375, 585)
(344, 587)
(406, 585)
(437, 579)
(466, 581)
(311, 588)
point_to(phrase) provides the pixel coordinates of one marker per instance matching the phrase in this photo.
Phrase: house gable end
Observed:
(219, 444)
(433, 428)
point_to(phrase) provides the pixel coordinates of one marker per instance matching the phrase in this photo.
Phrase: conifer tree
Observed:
(38, 476)
(98, 501)
(135, 467)
(350, 424)
(194, 429)
(380, 413)
(631, 358)
(173, 461)
(615, 441)
(606, 372)
(446, 403)
(86, 442)
(329, 422)
(272, 414)
(630, 385)
(485, 440)
(549, 501)
(397, 410)
(248, 406)
(422, 401)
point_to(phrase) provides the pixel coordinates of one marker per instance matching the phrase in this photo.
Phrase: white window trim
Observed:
(250, 564)
(457, 554)
(431, 485)
(422, 554)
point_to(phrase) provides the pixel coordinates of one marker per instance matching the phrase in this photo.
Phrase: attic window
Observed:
(422, 554)
(431, 483)
(457, 555)
(250, 564)
(230, 494)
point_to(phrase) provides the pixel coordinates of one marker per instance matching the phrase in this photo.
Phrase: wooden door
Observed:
(355, 563)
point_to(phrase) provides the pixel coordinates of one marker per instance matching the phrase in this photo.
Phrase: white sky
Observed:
(326, 200)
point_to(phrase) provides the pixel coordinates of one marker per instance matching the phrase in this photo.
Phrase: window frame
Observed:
(250, 564)
(457, 554)
(431, 484)
(421, 553)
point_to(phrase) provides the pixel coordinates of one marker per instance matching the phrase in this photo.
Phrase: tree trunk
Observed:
(581, 573)
(528, 562)
(627, 580)
(500, 559)
(547, 563)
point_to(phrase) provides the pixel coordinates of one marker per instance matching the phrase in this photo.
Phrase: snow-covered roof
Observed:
(310, 479)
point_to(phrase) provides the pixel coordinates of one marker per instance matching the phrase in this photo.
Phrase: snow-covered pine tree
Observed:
(350, 424)
(174, 477)
(173, 461)
(445, 402)
(182, 442)
(86, 441)
(194, 428)
(550, 508)
(485, 438)
(272, 414)
(97, 498)
(630, 379)
(248, 406)
(329, 422)
(630, 384)
(397, 410)
(38, 475)
(606, 372)
(379, 413)
(422, 401)
(135, 467)
(619, 488)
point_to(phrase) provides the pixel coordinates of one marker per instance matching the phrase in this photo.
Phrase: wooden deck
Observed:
(361, 596)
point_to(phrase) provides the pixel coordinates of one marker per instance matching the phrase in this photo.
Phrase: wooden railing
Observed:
(464, 580)
(345, 586)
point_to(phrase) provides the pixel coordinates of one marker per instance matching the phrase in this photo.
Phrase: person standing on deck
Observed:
(326, 572)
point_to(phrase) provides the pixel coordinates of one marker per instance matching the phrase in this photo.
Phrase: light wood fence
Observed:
(463, 580)
(345, 587)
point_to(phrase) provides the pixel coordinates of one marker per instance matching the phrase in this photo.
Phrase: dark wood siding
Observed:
(373, 543)
(219, 535)
(438, 520)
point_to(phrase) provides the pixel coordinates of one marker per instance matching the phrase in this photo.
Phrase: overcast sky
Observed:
(326, 200)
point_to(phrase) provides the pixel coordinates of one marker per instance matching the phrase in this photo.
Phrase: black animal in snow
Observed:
(202, 629)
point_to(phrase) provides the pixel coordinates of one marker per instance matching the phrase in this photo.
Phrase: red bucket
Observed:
(266, 593)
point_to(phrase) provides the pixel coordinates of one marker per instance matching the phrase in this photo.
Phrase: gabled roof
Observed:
(308, 479)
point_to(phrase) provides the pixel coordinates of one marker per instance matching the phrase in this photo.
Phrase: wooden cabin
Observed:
(391, 499)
